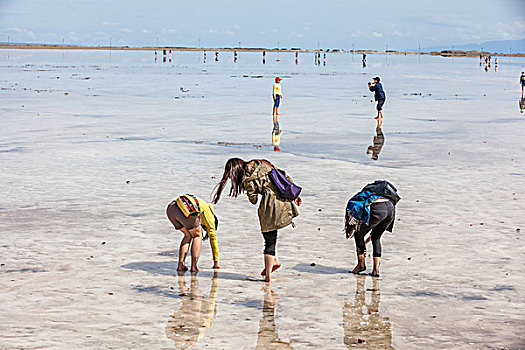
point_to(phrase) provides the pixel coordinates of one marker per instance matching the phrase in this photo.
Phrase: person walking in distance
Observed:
(522, 82)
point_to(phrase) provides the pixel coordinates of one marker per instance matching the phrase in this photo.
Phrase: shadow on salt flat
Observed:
(423, 293)
(26, 269)
(319, 269)
(169, 268)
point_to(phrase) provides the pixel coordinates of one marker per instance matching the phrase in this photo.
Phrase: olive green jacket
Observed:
(274, 211)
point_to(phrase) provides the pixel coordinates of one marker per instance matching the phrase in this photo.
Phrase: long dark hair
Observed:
(233, 171)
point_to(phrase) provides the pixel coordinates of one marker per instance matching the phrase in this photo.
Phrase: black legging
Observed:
(270, 241)
(381, 216)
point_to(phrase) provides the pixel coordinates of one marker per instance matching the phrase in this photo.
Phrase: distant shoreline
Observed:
(444, 53)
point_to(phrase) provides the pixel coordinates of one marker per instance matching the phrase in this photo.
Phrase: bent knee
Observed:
(195, 232)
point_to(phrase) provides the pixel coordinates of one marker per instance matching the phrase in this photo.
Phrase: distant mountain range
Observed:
(500, 46)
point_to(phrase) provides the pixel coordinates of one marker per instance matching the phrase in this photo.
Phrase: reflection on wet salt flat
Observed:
(267, 336)
(363, 324)
(195, 315)
(379, 141)
(522, 104)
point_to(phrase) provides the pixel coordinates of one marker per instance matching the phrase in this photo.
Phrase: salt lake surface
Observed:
(95, 144)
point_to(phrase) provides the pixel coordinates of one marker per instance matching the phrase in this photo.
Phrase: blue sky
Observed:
(400, 24)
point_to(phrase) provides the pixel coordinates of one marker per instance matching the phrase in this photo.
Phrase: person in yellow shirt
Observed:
(277, 96)
(190, 214)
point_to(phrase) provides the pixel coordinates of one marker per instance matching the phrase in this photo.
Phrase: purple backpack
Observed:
(285, 188)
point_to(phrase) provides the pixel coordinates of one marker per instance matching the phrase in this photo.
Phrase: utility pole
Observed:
(109, 41)
(239, 44)
(63, 40)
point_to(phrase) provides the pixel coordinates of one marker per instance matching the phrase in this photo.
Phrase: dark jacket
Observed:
(377, 89)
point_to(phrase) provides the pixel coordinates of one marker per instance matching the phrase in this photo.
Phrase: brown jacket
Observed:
(274, 211)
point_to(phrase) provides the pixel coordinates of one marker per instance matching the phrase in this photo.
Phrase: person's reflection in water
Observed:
(188, 324)
(379, 141)
(363, 325)
(276, 137)
(267, 337)
(522, 104)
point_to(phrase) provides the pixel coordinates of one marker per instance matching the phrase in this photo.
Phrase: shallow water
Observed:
(95, 144)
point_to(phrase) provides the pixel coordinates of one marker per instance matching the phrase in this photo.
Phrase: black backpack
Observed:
(383, 188)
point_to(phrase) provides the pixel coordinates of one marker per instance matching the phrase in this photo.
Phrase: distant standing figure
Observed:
(522, 82)
(264, 57)
(188, 214)
(277, 96)
(216, 56)
(155, 56)
(379, 96)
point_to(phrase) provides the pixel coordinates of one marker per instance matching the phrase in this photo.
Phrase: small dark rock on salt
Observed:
(361, 341)
(312, 264)
(409, 258)
(320, 209)
(103, 243)
(128, 182)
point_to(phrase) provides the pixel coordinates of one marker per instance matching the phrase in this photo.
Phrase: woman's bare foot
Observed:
(182, 268)
(359, 269)
(216, 265)
(195, 269)
(276, 265)
(374, 274)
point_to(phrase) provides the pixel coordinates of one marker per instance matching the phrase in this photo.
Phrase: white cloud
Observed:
(126, 30)
(108, 24)
(171, 31)
(146, 31)
(377, 35)
(52, 36)
(236, 26)
(229, 32)
(211, 31)
(296, 35)
(19, 32)
(274, 31)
